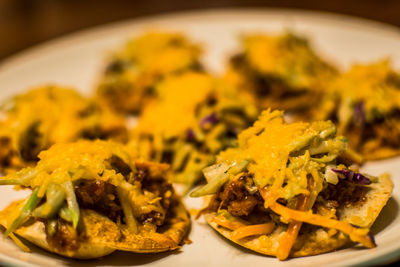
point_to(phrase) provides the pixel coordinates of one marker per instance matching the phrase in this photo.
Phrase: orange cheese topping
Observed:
(268, 143)
(174, 113)
(160, 52)
(47, 105)
(376, 85)
(289, 57)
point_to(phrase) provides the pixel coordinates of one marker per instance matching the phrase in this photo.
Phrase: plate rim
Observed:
(344, 19)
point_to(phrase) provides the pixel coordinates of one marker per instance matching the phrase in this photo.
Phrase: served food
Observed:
(277, 188)
(132, 73)
(90, 198)
(286, 191)
(194, 117)
(365, 104)
(41, 117)
(280, 71)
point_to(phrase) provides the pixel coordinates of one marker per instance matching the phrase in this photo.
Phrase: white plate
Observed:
(77, 60)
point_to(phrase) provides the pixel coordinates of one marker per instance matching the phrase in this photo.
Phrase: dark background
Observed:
(24, 23)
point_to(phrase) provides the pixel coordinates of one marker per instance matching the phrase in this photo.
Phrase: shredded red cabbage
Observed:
(190, 136)
(354, 177)
(359, 113)
(210, 119)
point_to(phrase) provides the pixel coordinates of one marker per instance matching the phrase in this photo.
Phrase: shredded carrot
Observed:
(231, 225)
(270, 197)
(19, 243)
(250, 230)
(287, 239)
(356, 234)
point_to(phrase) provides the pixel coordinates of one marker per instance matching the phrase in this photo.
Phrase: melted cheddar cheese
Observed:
(287, 57)
(88, 159)
(161, 52)
(375, 85)
(47, 105)
(174, 112)
(43, 116)
(134, 71)
(269, 146)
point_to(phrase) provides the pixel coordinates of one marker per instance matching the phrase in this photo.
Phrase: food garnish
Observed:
(365, 103)
(90, 198)
(194, 117)
(133, 72)
(280, 71)
(286, 190)
(35, 120)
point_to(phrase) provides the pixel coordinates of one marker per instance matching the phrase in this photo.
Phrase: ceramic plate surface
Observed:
(76, 60)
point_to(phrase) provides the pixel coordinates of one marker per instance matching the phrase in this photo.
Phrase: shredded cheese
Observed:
(376, 85)
(231, 225)
(161, 52)
(269, 144)
(289, 57)
(174, 113)
(251, 230)
(51, 114)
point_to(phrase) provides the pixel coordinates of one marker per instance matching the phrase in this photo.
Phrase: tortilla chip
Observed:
(318, 240)
(364, 215)
(175, 230)
(102, 236)
(96, 227)
(381, 153)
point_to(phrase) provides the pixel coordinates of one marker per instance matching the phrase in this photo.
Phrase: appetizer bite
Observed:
(365, 104)
(33, 121)
(285, 191)
(130, 77)
(90, 198)
(279, 71)
(194, 117)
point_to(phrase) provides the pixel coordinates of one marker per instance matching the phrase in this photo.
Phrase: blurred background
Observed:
(24, 23)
